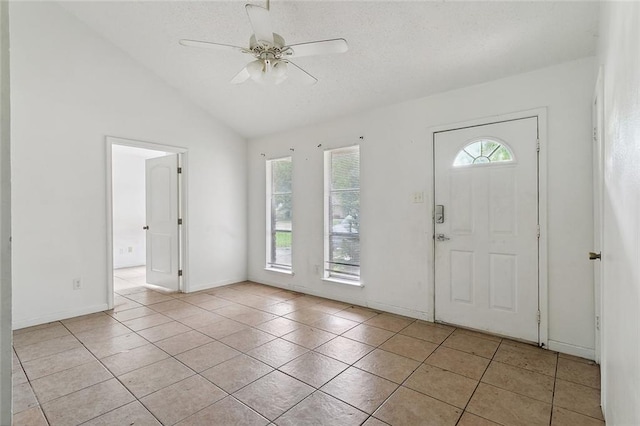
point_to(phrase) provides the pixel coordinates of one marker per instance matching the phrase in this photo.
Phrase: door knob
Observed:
(145, 227)
(594, 256)
(442, 237)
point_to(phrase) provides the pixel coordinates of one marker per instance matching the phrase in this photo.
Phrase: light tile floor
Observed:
(249, 354)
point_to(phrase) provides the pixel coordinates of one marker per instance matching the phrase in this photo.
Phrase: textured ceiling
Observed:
(398, 50)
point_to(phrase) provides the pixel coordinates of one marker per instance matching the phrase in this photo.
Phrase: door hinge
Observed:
(179, 272)
(179, 170)
(180, 221)
(537, 145)
(538, 231)
(597, 322)
(538, 317)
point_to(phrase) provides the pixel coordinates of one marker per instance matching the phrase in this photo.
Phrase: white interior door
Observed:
(486, 246)
(162, 221)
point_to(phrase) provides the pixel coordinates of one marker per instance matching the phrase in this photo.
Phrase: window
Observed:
(279, 229)
(482, 152)
(342, 217)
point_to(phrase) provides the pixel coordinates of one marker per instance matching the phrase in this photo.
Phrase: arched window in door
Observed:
(483, 151)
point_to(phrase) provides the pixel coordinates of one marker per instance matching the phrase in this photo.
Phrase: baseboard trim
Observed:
(398, 310)
(411, 313)
(574, 350)
(57, 316)
(350, 300)
(216, 284)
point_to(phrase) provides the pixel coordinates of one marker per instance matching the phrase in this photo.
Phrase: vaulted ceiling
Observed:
(398, 50)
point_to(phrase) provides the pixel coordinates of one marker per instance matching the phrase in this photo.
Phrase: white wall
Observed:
(396, 240)
(72, 88)
(129, 204)
(6, 359)
(620, 54)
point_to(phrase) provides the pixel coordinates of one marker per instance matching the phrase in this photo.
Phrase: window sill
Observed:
(345, 282)
(281, 271)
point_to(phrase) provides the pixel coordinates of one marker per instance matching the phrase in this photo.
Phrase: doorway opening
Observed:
(145, 216)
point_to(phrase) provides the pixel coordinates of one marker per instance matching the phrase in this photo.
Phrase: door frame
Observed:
(597, 124)
(183, 283)
(543, 296)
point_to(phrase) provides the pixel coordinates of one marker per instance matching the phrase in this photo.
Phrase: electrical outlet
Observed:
(130, 249)
(77, 284)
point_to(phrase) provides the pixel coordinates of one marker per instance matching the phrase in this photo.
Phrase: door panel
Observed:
(162, 221)
(486, 265)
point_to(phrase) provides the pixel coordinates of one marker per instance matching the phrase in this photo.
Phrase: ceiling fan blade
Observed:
(241, 77)
(210, 45)
(261, 24)
(301, 75)
(323, 47)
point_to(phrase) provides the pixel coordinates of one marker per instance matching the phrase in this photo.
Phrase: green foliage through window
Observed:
(279, 176)
(344, 213)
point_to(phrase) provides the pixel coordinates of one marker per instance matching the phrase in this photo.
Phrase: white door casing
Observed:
(162, 204)
(486, 272)
(598, 208)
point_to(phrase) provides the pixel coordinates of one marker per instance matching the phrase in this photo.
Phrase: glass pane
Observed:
(463, 159)
(501, 154)
(474, 149)
(281, 211)
(344, 252)
(345, 169)
(488, 147)
(345, 211)
(282, 252)
(344, 272)
(281, 175)
(481, 160)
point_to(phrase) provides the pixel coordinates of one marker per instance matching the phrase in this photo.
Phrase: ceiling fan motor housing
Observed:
(264, 50)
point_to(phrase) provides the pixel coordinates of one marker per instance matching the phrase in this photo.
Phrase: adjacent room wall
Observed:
(396, 240)
(72, 90)
(6, 358)
(620, 55)
(129, 205)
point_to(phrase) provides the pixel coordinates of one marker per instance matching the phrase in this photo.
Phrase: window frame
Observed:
(327, 273)
(271, 224)
(473, 163)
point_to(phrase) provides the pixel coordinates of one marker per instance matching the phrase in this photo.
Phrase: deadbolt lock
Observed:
(594, 256)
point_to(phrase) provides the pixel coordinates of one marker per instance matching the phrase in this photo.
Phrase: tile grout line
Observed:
(553, 393)
(414, 370)
(105, 367)
(31, 388)
(352, 365)
(478, 384)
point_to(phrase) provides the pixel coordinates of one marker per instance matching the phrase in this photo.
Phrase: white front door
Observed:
(162, 221)
(486, 228)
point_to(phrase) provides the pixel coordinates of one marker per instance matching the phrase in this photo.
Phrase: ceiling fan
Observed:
(272, 55)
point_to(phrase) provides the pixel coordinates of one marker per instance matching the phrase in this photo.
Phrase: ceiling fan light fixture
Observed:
(267, 70)
(279, 69)
(256, 70)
